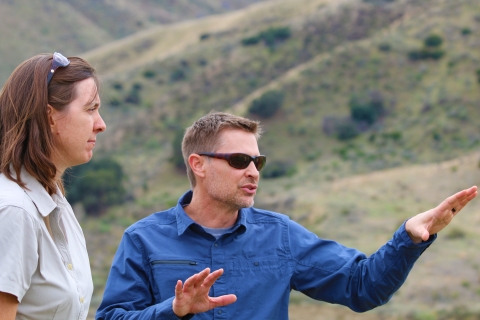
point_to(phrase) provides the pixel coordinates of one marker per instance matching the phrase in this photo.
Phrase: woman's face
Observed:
(75, 129)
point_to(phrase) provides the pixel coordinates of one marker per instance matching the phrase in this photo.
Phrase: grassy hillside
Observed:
(73, 27)
(357, 190)
(348, 177)
(333, 55)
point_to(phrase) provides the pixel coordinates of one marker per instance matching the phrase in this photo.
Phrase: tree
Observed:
(433, 41)
(177, 156)
(96, 184)
(366, 108)
(268, 104)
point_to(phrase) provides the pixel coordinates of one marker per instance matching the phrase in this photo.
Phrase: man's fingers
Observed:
(459, 199)
(179, 289)
(196, 280)
(212, 277)
(223, 300)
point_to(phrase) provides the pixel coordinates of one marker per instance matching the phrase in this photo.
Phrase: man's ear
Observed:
(197, 164)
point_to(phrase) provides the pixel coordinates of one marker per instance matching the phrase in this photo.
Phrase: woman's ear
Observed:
(197, 164)
(50, 115)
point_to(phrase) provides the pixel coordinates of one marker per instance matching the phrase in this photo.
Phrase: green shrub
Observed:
(117, 86)
(204, 36)
(466, 31)
(425, 53)
(96, 184)
(277, 169)
(267, 105)
(433, 40)
(133, 96)
(274, 35)
(366, 108)
(250, 41)
(149, 74)
(178, 75)
(384, 47)
(177, 156)
(115, 102)
(270, 37)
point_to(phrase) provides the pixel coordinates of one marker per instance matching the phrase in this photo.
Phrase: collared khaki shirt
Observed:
(49, 274)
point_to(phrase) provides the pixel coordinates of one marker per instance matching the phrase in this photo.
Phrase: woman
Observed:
(49, 121)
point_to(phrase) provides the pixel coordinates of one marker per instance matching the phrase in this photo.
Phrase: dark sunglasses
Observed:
(238, 160)
(59, 60)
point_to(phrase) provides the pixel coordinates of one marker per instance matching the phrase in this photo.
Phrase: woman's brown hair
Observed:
(26, 139)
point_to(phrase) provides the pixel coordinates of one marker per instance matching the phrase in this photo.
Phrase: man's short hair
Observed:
(203, 135)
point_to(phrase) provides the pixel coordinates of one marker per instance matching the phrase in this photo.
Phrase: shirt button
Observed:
(256, 263)
(216, 245)
(70, 266)
(82, 299)
(219, 312)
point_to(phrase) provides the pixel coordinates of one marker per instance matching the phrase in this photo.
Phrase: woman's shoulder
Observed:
(14, 196)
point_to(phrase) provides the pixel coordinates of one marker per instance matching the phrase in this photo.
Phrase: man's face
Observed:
(234, 188)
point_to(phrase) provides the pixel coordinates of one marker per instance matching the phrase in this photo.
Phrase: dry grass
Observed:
(160, 42)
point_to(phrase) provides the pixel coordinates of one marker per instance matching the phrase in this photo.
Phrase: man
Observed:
(162, 267)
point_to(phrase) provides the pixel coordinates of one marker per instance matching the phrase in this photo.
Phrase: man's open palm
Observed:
(423, 225)
(192, 297)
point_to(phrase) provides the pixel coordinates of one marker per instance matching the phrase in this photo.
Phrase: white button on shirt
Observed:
(50, 275)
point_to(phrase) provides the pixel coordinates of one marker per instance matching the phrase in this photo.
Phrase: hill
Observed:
(73, 27)
(342, 188)
(376, 119)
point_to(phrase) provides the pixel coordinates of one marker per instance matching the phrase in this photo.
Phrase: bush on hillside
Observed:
(96, 184)
(423, 54)
(149, 74)
(431, 49)
(270, 37)
(384, 46)
(267, 105)
(433, 40)
(133, 97)
(117, 86)
(250, 41)
(277, 169)
(466, 31)
(178, 75)
(366, 108)
(177, 156)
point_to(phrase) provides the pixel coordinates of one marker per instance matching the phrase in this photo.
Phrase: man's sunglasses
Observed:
(59, 60)
(238, 160)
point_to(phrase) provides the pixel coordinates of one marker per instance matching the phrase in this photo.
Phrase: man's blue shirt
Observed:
(264, 257)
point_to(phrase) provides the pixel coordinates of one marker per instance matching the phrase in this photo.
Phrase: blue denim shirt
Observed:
(264, 257)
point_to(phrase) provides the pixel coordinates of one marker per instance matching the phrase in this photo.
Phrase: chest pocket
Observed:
(253, 280)
(166, 273)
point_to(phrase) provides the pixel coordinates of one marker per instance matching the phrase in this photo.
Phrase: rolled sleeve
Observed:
(19, 250)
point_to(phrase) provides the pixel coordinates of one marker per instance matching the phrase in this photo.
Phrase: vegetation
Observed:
(431, 49)
(267, 105)
(270, 37)
(97, 185)
(352, 102)
(277, 169)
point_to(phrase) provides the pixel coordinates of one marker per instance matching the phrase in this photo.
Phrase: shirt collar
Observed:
(184, 221)
(37, 193)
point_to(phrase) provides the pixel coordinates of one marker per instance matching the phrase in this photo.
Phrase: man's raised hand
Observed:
(421, 226)
(192, 297)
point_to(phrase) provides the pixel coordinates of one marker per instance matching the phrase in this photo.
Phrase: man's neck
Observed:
(211, 214)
